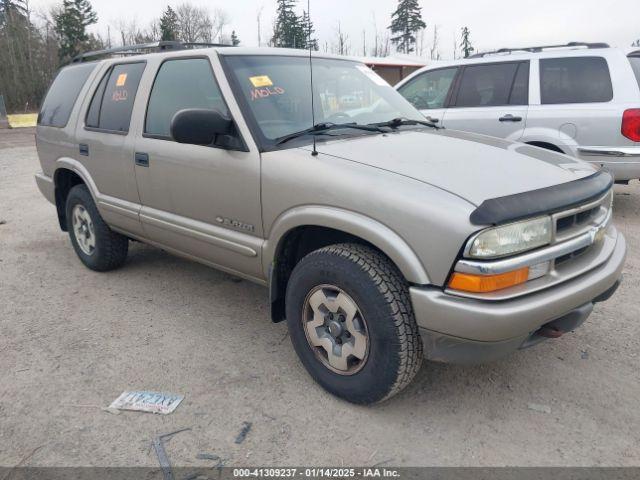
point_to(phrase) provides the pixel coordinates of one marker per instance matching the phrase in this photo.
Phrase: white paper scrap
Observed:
(143, 401)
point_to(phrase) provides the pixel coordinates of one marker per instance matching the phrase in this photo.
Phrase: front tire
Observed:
(98, 247)
(351, 323)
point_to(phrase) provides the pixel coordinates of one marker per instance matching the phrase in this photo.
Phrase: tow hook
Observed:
(550, 332)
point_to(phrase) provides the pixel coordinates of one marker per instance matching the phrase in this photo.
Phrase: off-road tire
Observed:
(382, 295)
(111, 248)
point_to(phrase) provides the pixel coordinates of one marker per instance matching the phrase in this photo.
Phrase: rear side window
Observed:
(487, 85)
(635, 64)
(180, 84)
(62, 95)
(112, 102)
(520, 89)
(575, 80)
(430, 89)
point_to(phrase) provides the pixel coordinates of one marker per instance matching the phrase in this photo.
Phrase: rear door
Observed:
(491, 99)
(105, 144)
(429, 92)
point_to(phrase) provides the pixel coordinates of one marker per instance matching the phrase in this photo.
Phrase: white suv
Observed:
(580, 99)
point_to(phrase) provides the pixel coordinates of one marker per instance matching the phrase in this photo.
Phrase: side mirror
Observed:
(199, 126)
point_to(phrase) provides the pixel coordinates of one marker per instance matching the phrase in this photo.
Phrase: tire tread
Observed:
(394, 288)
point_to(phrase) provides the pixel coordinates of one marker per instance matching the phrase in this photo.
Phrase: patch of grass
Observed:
(23, 120)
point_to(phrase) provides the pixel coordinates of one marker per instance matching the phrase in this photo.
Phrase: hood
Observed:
(473, 167)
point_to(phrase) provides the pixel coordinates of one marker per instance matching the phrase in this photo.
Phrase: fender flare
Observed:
(374, 232)
(76, 167)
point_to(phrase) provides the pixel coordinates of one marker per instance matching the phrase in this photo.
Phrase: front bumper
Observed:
(491, 329)
(622, 162)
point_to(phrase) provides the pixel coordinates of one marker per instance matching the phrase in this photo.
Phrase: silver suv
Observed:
(382, 239)
(580, 99)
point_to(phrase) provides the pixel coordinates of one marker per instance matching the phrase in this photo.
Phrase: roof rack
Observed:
(541, 48)
(143, 48)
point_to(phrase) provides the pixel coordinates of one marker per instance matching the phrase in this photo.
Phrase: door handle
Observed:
(142, 159)
(432, 120)
(510, 118)
(84, 149)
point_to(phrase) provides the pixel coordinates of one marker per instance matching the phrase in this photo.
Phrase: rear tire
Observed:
(340, 296)
(98, 247)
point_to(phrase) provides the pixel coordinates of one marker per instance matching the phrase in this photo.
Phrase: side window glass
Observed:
(575, 80)
(520, 89)
(430, 89)
(181, 84)
(62, 95)
(93, 115)
(112, 102)
(486, 85)
(635, 64)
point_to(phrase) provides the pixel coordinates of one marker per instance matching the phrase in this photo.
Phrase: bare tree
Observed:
(259, 21)
(420, 42)
(131, 33)
(381, 40)
(194, 24)
(455, 45)
(342, 46)
(434, 53)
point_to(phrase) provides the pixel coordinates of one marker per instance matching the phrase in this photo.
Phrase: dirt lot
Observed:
(72, 340)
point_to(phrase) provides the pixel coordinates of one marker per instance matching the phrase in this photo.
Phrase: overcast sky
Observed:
(493, 23)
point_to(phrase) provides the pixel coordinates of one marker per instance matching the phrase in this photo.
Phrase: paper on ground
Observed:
(143, 401)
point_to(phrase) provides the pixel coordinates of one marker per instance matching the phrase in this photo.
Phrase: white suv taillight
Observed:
(631, 124)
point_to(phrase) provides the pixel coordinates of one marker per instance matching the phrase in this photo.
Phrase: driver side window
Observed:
(430, 89)
(180, 84)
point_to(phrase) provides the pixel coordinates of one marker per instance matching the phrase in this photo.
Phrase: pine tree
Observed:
(466, 46)
(286, 31)
(307, 30)
(12, 9)
(406, 21)
(235, 41)
(169, 25)
(71, 26)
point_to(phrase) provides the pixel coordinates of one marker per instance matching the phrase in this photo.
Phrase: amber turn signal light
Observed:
(467, 282)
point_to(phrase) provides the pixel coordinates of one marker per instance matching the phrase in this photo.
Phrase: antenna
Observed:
(314, 152)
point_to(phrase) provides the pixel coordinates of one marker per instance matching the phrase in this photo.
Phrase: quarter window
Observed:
(489, 85)
(62, 95)
(575, 80)
(635, 64)
(112, 102)
(430, 89)
(181, 84)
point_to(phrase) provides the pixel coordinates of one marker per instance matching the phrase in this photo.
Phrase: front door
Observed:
(491, 99)
(428, 92)
(203, 201)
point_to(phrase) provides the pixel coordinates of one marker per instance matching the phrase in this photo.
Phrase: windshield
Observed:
(276, 91)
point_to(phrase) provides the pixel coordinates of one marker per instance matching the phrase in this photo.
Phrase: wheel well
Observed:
(546, 145)
(64, 180)
(296, 244)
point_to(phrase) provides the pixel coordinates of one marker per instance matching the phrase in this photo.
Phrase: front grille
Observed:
(578, 220)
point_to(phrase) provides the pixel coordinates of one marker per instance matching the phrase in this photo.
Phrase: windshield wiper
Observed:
(399, 122)
(321, 128)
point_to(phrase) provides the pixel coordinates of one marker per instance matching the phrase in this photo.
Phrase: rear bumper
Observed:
(465, 330)
(622, 162)
(46, 187)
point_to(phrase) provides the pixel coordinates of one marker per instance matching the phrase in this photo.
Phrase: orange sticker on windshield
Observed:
(122, 79)
(261, 81)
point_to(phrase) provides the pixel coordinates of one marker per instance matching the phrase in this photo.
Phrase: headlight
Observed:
(509, 239)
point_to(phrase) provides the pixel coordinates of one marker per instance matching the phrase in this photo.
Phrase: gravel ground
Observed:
(72, 340)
